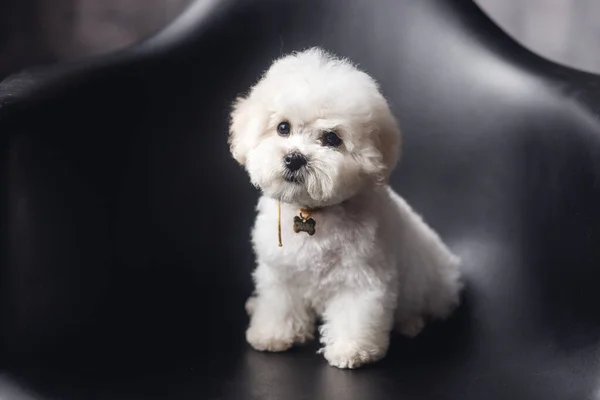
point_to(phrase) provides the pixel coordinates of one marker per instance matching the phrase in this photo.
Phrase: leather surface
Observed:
(126, 259)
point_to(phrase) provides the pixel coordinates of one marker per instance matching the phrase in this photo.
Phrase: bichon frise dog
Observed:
(332, 240)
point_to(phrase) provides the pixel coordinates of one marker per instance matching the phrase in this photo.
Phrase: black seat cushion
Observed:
(126, 256)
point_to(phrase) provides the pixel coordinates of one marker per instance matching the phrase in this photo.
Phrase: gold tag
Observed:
(304, 223)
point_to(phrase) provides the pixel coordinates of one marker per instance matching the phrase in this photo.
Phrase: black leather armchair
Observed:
(125, 223)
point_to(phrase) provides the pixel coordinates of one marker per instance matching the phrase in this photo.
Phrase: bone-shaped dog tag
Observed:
(304, 225)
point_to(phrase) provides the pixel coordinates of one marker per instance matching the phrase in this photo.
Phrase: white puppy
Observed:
(318, 138)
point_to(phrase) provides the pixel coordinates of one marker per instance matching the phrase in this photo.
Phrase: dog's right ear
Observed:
(245, 127)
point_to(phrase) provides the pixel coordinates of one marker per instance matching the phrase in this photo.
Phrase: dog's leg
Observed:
(356, 329)
(279, 319)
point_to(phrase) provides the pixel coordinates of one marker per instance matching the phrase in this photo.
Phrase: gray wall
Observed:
(566, 31)
(45, 31)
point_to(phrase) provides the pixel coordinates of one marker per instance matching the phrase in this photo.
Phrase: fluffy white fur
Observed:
(373, 264)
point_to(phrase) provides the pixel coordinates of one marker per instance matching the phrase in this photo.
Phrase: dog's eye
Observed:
(284, 128)
(331, 139)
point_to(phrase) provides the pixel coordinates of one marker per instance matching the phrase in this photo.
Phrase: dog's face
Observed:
(314, 131)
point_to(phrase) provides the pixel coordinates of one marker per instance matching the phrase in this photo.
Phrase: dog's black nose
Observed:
(294, 161)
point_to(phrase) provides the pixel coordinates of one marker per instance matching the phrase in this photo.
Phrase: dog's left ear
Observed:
(245, 127)
(389, 141)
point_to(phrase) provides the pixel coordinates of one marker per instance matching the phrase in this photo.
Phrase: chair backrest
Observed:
(122, 194)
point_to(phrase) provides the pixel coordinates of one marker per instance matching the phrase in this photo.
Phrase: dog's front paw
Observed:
(264, 340)
(350, 354)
